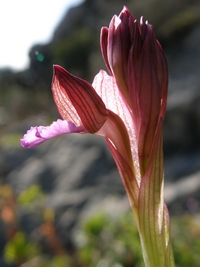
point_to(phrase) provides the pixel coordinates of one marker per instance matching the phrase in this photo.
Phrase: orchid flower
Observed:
(127, 106)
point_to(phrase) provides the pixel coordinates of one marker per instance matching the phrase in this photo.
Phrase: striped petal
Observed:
(105, 85)
(77, 100)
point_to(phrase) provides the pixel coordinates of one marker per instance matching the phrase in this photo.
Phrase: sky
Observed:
(24, 23)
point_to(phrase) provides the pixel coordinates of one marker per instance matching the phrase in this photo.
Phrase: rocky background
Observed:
(77, 172)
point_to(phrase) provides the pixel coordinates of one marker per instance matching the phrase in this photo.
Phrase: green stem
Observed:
(153, 216)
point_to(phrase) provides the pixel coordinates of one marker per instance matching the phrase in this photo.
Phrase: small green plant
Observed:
(109, 241)
(186, 240)
(18, 249)
(31, 195)
(102, 240)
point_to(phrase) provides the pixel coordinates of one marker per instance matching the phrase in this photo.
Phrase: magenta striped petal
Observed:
(77, 100)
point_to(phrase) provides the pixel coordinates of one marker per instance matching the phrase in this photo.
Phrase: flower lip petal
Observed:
(57, 128)
(39, 134)
(30, 140)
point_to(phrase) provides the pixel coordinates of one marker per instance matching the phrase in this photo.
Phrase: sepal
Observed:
(77, 100)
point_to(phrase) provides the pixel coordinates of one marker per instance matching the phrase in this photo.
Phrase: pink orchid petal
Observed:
(77, 100)
(103, 44)
(118, 49)
(108, 90)
(57, 128)
(106, 87)
(115, 131)
(39, 134)
(148, 71)
(30, 139)
(127, 175)
(115, 50)
(63, 103)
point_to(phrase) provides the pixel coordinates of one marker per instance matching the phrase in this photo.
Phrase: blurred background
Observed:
(63, 203)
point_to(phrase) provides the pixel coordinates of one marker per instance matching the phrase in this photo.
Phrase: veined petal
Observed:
(117, 52)
(104, 44)
(77, 100)
(39, 134)
(115, 45)
(127, 175)
(115, 131)
(148, 80)
(105, 85)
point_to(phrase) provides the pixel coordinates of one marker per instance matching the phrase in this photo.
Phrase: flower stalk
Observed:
(127, 107)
